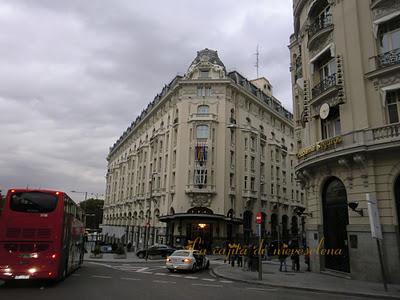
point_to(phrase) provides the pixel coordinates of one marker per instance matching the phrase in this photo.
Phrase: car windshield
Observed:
(33, 202)
(181, 253)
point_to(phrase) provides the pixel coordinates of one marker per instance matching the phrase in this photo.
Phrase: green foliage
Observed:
(96, 250)
(120, 250)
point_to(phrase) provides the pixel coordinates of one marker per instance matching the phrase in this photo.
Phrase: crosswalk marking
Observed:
(160, 274)
(101, 276)
(175, 275)
(145, 272)
(164, 281)
(129, 278)
(226, 281)
(191, 277)
(208, 279)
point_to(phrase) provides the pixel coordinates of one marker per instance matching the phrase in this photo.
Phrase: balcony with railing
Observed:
(319, 26)
(326, 84)
(200, 189)
(388, 58)
(203, 117)
(365, 140)
(385, 62)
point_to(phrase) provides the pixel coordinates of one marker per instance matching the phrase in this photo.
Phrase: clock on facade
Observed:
(324, 111)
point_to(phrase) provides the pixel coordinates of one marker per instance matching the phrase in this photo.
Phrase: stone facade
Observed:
(345, 66)
(202, 159)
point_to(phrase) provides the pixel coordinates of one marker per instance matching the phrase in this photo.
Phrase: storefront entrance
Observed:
(202, 232)
(336, 218)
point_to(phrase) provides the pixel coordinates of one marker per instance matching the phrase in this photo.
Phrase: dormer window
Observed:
(204, 74)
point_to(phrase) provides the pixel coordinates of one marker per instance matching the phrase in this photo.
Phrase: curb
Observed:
(374, 296)
(122, 261)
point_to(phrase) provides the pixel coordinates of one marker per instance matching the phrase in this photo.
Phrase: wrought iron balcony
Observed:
(319, 24)
(388, 58)
(325, 84)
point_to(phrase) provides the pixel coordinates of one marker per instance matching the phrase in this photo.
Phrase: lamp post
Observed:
(78, 192)
(258, 133)
(147, 228)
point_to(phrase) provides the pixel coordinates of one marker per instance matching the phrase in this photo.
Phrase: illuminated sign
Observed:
(320, 146)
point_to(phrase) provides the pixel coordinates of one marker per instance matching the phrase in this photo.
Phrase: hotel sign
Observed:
(320, 146)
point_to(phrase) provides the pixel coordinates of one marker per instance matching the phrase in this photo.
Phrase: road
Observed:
(147, 281)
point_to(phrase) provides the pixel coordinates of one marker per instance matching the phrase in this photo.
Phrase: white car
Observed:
(189, 260)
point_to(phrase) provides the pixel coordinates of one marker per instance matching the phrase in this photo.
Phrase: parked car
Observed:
(189, 260)
(160, 250)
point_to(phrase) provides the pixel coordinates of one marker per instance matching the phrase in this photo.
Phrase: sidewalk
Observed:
(130, 258)
(308, 281)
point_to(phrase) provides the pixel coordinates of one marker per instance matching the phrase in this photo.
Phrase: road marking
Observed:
(129, 278)
(160, 274)
(100, 264)
(260, 289)
(208, 285)
(191, 277)
(145, 272)
(101, 276)
(174, 275)
(76, 274)
(226, 281)
(208, 279)
(164, 281)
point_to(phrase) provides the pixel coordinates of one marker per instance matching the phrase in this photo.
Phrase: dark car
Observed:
(156, 250)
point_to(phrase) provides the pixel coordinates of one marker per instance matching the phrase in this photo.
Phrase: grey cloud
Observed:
(76, 73)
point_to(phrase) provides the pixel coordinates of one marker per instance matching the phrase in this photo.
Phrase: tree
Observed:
(93, 209)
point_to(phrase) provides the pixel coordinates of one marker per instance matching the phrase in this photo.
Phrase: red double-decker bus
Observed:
(41, 235)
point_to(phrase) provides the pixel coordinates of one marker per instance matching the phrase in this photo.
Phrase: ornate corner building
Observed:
(345, 66)
(208, 153)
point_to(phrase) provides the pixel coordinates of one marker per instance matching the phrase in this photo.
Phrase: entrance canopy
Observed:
(202, 216)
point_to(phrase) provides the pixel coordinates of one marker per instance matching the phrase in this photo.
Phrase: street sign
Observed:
(373, 214)
(258, 229)
(258, 218)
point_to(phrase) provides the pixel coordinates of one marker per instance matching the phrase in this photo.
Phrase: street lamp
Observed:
(78, 192)
(147, 228)
(257, 132)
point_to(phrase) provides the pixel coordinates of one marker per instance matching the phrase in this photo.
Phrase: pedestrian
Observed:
(307, 258)
(240, 260)
(282, 256)
(295, 255)
(129, 246)
(246, 258)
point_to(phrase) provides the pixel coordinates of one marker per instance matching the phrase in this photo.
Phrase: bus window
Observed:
(33, 202)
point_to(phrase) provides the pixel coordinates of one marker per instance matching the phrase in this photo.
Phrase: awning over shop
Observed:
(113, 231)
(216, 217)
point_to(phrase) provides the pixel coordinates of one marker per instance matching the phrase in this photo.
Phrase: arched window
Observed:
(202, 109)
(202, 131)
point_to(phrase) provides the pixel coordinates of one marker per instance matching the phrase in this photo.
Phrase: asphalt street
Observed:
(147, 281)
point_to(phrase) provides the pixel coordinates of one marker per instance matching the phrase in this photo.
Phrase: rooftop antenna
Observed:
(257, 54)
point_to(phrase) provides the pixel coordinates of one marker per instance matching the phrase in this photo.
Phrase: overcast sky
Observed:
(74, 74)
